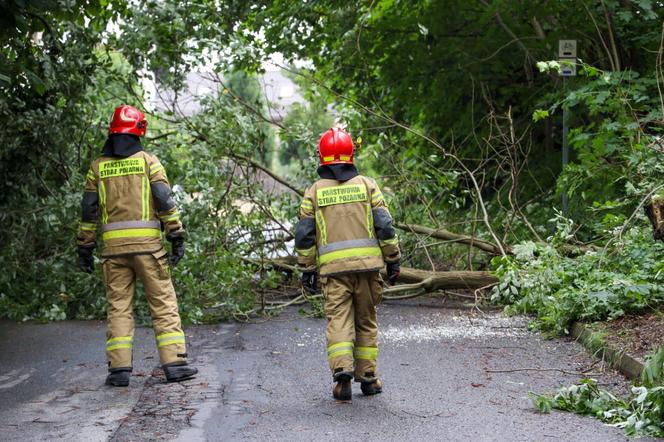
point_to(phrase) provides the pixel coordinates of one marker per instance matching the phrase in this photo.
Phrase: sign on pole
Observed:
(567, 57)
(566, 48)
(567, 60)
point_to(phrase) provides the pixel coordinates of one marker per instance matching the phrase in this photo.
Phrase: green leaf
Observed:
(540, 114)
(36, 82)
(544, 404)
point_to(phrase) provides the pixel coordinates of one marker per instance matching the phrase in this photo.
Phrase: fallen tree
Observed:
(446, 235)
(413, 283)
(416, 279)
(454, 279)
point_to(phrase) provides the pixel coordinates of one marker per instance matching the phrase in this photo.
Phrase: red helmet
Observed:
(128, 120)
(335, 147)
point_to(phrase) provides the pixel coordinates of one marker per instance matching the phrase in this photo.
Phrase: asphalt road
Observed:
(449, 375)
(51, 381)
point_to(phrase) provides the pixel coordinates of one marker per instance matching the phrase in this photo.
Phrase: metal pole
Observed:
(565, 151)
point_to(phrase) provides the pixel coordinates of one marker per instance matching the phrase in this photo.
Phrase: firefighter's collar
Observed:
(339, 172)
(122, 145)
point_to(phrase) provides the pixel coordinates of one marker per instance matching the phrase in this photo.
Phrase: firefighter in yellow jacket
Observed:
(127, 195)
(345, 232)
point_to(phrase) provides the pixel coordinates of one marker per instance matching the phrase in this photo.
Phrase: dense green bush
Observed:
(601, 283)
(617, 169)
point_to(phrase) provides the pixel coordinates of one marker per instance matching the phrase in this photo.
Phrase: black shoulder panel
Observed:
(161, 193)
(89, 206)
(305, 234)
(383, 224)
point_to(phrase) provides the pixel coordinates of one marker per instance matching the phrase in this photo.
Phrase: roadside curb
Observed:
(618, 359)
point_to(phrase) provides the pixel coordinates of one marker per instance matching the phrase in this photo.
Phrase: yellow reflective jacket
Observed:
(345, 227)
(129, 199)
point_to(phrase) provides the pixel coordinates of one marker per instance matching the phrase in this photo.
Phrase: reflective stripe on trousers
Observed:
(340, 349)
(119, 342)
(366, 353)
(170, 338)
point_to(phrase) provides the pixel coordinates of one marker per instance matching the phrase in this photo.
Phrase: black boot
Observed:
(371, 388)
(178, 371)
(370, 384)
(118, 377)
(342, 390)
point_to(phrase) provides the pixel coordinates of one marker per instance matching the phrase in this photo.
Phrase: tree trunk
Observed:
(413, 279)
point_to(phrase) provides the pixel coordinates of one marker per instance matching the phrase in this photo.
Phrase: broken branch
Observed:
(453, 237)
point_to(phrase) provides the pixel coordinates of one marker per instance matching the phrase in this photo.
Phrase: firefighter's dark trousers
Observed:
(120, 275)
(352, 328)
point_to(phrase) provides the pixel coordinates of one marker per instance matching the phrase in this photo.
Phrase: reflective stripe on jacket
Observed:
(345, 227)
(130, 198)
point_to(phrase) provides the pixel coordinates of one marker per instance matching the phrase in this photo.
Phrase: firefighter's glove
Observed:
(177, 250)
(393, 272)
(85, 259)
(310, 282)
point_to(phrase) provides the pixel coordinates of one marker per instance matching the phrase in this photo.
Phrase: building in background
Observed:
(280, 92)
